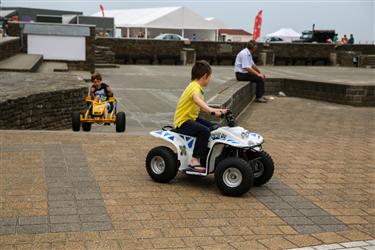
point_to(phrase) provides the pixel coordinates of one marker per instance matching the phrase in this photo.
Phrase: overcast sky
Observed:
(346, 17)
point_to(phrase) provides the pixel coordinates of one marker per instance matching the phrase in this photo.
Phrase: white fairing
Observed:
(184, 145)
(234, 136)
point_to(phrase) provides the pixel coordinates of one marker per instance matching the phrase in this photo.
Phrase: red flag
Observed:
(102, 9)
(257, 25)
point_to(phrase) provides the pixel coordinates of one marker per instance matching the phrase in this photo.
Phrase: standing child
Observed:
(186, 119)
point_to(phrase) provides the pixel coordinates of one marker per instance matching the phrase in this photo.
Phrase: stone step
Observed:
(102, 48)
(106, 65)
(49, 67)
(22, 63)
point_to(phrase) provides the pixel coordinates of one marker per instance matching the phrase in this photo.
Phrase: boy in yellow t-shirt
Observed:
(186, 119)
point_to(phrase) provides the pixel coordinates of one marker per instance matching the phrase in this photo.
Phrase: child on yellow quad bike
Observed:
(100, 91)
(101, 108)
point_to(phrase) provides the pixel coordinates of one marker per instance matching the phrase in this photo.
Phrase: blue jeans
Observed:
(200, 129)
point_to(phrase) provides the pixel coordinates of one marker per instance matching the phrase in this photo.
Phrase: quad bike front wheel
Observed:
(76, 122)
(233, 176)
(161, 164)
(120, 122)
(262, 166)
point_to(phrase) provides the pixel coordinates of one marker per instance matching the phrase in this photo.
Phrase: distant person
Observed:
(351, 39)
(246, 70)
(194, 37)
(329, 40)
(140, 35)
(344, 40)
(335, 38)
(5, 28)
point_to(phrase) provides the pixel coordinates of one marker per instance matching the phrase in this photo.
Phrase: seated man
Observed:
(246, 70)
(189, 105)
(100, 91)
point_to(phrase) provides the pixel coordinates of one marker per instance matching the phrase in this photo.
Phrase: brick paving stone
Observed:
(96, 226)
(33, 229)
(328, 247)
(303, 240)
(218, 247)
(277, 243)
(198, 241)
(32, 220)
(168, 243)
(355, 244)
(329, 237)
(65, 227)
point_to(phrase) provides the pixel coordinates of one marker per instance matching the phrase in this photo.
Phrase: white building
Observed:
(150, 22)
(234, 35)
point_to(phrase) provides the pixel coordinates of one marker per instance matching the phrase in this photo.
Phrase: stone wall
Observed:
(135, 51)
(9, 47)
(45, 101)
(89, 64)
(140, 51)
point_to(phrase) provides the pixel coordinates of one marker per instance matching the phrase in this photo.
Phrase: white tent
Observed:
(154, 21)
(287, 34)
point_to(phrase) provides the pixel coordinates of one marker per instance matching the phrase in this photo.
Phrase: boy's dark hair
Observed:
(199, 69)
(96, 75)
(251, 44)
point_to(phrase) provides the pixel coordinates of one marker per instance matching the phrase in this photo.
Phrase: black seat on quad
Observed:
(214, 126)
(171, 128)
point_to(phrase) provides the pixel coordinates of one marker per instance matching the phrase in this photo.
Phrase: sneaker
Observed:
(196, 168)
(261, 100)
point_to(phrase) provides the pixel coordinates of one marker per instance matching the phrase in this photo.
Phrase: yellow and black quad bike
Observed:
(95, 114)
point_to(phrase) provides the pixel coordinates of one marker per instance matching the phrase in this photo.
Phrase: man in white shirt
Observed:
(246, 70)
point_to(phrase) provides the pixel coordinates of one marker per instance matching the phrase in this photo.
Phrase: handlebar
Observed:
(229, 118)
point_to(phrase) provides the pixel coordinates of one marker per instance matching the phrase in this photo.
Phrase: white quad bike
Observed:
(235, 156)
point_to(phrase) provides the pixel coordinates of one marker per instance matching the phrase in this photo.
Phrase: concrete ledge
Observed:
(240, 94)
(235, 97)
(22, 63)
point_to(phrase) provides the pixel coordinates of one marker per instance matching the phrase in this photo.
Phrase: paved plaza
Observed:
(148, 94)
(64, 190)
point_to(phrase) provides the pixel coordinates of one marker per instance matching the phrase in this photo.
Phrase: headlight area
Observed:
(252, 144)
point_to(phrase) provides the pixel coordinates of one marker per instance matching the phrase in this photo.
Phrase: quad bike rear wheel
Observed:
(161, 164)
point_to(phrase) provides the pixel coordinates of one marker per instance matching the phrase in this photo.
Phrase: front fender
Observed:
(183, 144)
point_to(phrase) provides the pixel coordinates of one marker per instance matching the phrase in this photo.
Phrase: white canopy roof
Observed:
(286, 34)
(164, 18)
(5, 13)
(216, 22)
